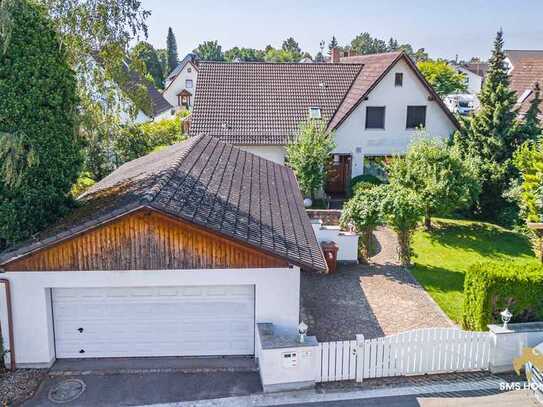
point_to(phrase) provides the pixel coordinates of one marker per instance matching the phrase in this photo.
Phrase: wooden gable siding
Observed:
(146, 240)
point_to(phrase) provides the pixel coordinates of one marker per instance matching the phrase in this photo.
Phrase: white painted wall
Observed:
(474, 82)
(276, 154)
(352, 137)
(509, 343)
(277, 299)
(346, 241)
(178, 84)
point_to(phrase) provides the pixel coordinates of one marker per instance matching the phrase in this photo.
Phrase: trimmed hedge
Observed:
(364, 181)
(491, 287)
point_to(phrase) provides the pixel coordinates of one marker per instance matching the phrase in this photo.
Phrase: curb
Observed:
(107, 372)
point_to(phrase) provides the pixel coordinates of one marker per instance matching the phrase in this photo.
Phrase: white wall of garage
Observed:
(277, 299)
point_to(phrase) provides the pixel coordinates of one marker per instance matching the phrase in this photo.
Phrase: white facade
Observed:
(185, 80)
(32, 307)
(354, 139)
(276, 154)
(474, 82)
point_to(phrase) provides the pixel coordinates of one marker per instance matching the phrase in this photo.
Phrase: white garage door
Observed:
(155, 321)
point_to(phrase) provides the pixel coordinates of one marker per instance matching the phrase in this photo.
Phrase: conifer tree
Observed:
(531, 126)
(171, 46)
(333, 44)
(493, 135)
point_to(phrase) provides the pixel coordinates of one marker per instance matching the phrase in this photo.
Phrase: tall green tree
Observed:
(332, 44)
(364, 43)
(291, 46)
(443, 179)
(529, 161)
(162, 55)
(493, 135)
(171, 47)
(209, 51)
(309, 155)
(443, 77)
(244, 55)
(40, 151)
(145, 52)
(531, 123)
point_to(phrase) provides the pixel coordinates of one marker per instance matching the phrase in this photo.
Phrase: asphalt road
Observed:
(521, 398)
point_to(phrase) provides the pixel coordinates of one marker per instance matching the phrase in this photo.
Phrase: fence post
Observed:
(360, 358)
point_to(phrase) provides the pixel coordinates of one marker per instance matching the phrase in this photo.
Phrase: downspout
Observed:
(7, 290)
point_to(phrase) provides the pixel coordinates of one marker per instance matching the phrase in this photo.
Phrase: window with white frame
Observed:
(188, 83)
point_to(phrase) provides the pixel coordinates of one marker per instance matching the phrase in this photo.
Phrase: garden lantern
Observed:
(302, 331)
(506, 317)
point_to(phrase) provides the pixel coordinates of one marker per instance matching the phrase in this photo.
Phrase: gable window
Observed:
(398, 79)
(416, 117)
(315, 112)
(188, 83)
(375, 117)
(189, 70)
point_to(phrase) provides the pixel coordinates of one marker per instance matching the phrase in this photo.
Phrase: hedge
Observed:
(491, 287)
(365, 180)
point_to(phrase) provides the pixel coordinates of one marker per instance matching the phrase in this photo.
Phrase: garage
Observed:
(154, 321)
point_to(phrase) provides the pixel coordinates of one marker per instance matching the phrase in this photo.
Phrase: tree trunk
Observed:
(427, 219)
(404, 243)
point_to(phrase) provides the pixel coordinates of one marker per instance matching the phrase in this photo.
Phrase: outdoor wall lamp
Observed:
(506, 317)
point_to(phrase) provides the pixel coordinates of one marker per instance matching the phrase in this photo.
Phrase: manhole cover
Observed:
(66, 391)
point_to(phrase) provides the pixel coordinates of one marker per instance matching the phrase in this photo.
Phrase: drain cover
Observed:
(67, 390)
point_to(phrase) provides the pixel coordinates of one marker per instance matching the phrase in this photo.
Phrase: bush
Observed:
(363, 182)
(139, 140)
(491, 287)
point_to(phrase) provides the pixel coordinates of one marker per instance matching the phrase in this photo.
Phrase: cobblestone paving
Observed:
(378, 299)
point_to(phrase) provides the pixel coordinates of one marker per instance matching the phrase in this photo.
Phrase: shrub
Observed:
(491, 287)
(363, 182)
(136, 141)
(364, 212)
(402, 210)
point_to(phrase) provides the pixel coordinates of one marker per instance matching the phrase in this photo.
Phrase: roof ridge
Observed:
(169, 172)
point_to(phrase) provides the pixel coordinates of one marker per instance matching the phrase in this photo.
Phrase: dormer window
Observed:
(314, 112)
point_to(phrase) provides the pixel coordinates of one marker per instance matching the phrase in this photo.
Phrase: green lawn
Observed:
(443, 256)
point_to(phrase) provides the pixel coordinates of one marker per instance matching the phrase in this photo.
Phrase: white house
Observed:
(180, 85)
(474, 74)
(163, 258)
(116, 97)
(376, 105)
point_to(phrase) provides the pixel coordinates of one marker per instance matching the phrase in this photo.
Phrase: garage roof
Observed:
(209, 183)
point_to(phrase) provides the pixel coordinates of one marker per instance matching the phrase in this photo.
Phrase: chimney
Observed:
(335, 56)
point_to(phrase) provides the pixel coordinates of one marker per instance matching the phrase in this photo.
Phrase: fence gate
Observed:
(417, 352)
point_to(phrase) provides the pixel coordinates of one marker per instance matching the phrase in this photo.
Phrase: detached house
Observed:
(180, 85)
(525, 70)
(374, 103)
(178, 253)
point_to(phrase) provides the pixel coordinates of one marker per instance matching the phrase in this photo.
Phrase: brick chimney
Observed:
(335, 56)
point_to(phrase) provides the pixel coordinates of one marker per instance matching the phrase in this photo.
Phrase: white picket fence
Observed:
(417, 352)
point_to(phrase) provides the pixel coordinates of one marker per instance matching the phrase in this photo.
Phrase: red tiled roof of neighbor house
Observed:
(264, 103)
(209, 183)
(375, 67)
(527, 71)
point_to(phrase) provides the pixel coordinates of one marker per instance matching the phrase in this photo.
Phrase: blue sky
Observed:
(444, 28)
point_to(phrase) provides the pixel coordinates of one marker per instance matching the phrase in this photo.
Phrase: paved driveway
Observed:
(150, 388)
(374, 300)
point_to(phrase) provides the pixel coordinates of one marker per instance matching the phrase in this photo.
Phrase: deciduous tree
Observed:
(443, 77)
(443, 179)
(309, 155)
(144, 52)
(209, 51)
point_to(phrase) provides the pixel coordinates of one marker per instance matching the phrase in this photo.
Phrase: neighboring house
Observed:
(374, 103)
(525, 70)
(158, 108)
(178, 253)
(468, 102)
(180, 85)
